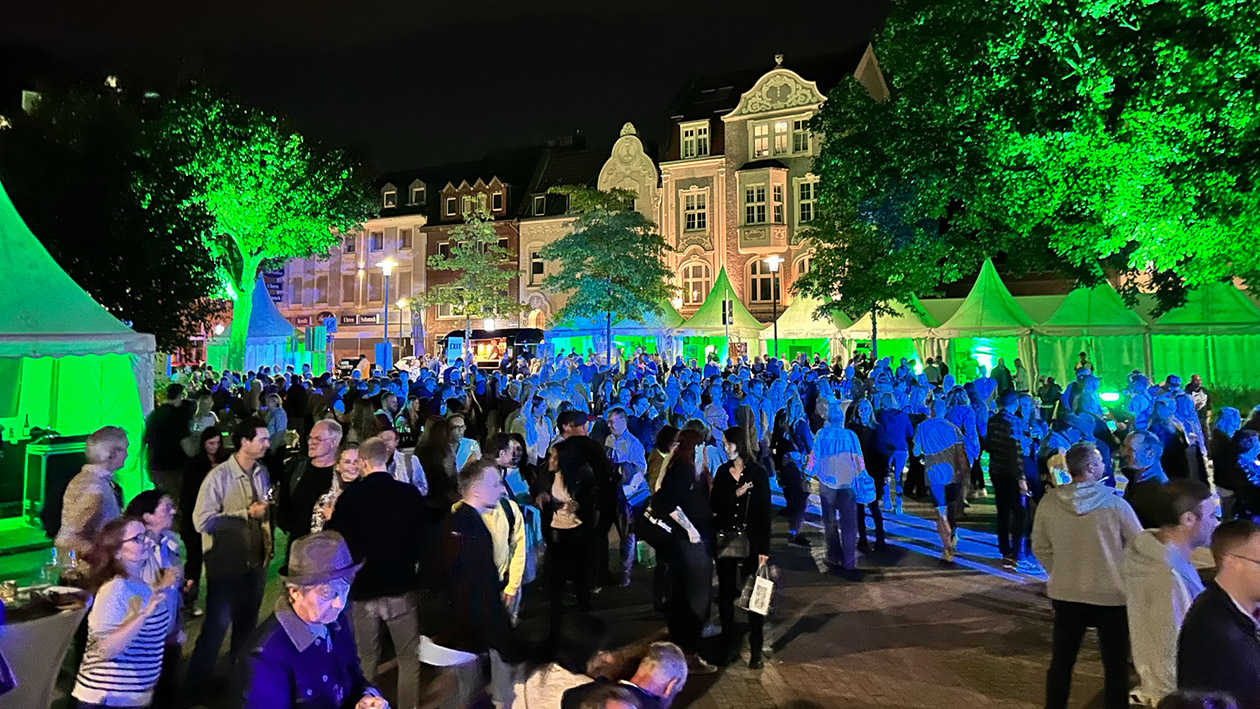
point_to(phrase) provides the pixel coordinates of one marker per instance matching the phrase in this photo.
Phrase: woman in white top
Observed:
(129, 622)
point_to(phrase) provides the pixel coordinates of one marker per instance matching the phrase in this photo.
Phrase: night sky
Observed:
(406, 84)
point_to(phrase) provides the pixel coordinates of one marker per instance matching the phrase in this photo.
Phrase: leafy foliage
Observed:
(485, 271)
(612, 263)
(272, 195)
(1108, 134)
(78, 169)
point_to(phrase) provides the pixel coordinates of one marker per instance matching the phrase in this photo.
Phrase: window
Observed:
(503, 243)
(471, 202)
(389, 196)
(496, 201)
(805, 202)
(404, 238)
(802, 267)
(696, 283)
(347, 244)
(445, 249)
(349, 288)
(695, 211)
(761, 140)
(800, 135)
(446, 310)
(376, 241)
(375, 284)
(295, 290)
(540, 205)
(450, 206)
(755, 204)
(403, 289)
(780, 137)
(778, 204)
(695, 140)
(761, 281)
(417, 193)
(321, 289)
(537, 268)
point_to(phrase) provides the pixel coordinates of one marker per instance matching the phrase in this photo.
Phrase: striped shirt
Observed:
(128, 679)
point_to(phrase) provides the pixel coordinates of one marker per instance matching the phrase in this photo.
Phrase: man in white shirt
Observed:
(404, 467)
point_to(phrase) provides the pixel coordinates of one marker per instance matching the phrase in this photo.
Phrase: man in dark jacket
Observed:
(385, 523)
(305, 479)
(466, 617)
(304, 655)
(1006, 471)
(575, 426)
(1219, 647)
(165, 428)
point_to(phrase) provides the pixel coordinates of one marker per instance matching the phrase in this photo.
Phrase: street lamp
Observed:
(387, 266)
(773, 262)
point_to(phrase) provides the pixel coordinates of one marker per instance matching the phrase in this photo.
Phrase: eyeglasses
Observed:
(140, 539)
(1245, 558)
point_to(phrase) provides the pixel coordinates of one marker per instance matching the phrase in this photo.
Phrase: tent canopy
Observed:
(1093, 311)
(266, 320)
(668, 319)
(43, 312)
(707, 321)
(907, 320)
(989, 309)
(797, 322)
(1217, 308)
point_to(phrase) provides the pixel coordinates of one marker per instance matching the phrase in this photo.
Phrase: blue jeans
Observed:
(839, 513)
(897, 468)
(231, 599)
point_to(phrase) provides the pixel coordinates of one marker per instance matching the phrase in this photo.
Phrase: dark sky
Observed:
(418, 83)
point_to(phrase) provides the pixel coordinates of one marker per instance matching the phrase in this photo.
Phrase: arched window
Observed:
(697, 281)
(802, 266)
(763, 285)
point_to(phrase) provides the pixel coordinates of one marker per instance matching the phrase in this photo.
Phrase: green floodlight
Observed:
(1110, 396)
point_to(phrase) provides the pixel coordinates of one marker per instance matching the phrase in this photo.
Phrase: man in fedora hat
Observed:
(304, 653)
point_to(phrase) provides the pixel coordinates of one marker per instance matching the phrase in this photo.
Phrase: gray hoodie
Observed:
(1159, 585)
(1079, 537)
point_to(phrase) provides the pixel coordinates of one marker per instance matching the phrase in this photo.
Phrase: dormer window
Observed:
(389, 196)
(695, 140)
(540, 205)
(496, 202)
(416, 197)
(450, 206)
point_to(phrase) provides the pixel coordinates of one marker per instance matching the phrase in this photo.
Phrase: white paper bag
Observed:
(763, 590)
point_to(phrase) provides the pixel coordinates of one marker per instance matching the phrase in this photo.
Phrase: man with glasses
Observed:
(305, 479)
(1079, 535)
(1219, 647)
(466, 448)
(386, 524)
(404, 467)
(305, 653)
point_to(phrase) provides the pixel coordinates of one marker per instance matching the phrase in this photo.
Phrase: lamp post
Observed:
(773, 262)
(386, 266)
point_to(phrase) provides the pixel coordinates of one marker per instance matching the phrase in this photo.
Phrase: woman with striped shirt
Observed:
(128, 623)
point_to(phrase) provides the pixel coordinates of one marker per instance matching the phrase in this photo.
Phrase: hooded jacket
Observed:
(1159, 586)
(1079, 536)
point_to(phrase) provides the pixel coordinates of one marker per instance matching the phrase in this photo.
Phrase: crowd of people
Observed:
(422, 504)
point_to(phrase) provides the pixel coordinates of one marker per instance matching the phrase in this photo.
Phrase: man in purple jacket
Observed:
(305, 654)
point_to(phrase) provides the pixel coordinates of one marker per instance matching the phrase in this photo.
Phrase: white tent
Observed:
(65, 362)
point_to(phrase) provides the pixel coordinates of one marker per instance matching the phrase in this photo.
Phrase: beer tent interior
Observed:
(705, 332)
(1214, 335)
(800, 333)
(577, 334)
(1095, 321)
(65, 362)
(988, 325)
(904, 334)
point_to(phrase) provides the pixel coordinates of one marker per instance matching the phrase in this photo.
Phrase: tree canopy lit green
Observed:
(1079, 135)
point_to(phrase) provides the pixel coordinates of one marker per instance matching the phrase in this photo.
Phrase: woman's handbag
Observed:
(733, 543)
(758, 592)
(864, 488)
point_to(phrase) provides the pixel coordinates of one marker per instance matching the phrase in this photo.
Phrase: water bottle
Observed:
(49, 571)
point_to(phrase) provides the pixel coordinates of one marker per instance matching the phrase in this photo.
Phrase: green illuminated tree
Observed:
(1109, 134)
(272, 195)
(612, 263)
(484, 273)
(76, 169)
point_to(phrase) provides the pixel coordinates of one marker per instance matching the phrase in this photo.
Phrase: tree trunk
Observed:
(874, 337)
(242, 310)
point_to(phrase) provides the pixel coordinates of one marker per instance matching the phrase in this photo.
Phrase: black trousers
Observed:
(1010, 515)
(1070, 621)
(691, 577)
(876, 513)
(916, 478)
(730, 585)
(568, 560)
(795, 496)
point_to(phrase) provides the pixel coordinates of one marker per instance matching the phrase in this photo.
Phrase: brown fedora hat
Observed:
(319, 558)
